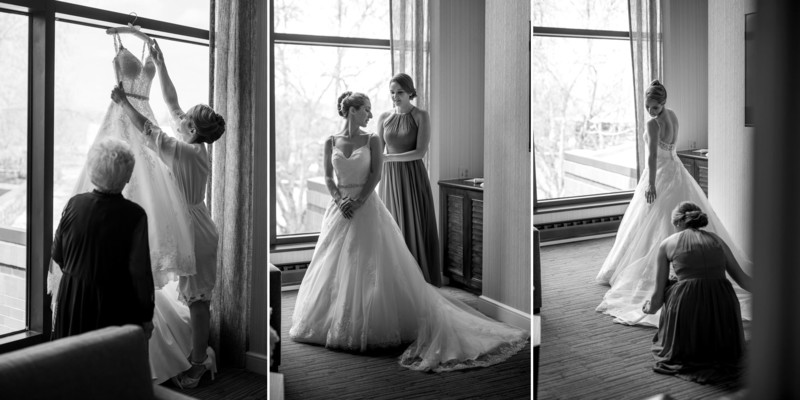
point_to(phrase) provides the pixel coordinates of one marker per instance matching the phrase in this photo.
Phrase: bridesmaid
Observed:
(405, 188)
(700, 335)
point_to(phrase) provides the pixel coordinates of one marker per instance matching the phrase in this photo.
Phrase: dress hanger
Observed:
(132, 29)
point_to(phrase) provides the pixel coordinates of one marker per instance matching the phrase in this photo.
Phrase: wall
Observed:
(730, 143)
(457, 91)
(507, 164)
(685, 52)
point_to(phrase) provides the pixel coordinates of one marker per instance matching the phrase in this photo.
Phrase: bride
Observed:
(170, 235)
(630, 266)
(364, 290)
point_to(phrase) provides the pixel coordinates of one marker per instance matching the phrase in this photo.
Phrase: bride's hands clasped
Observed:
(349, 206)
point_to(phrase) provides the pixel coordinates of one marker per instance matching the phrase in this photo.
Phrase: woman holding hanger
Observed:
(187, 158)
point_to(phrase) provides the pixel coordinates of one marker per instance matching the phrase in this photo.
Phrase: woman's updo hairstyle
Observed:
(210, 125)
(350, 99)
(405, 82)
(657, 92)
(690, 214)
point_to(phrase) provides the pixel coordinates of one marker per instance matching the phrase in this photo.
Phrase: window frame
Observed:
(42, 17)
(589, 201)
(296, 241)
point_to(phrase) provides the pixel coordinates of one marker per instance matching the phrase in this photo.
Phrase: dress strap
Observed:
(144, 45)
(117, 43)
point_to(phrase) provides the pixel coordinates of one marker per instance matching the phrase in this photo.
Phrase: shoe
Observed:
(184, 381)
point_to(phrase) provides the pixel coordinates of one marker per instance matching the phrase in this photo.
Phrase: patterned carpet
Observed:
(314, 372)
(583, 354)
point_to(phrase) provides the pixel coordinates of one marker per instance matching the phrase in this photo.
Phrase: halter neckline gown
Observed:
(406, 191)
(630, 267)
(364, 290)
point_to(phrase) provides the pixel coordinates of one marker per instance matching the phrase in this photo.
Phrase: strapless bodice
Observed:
(352, 172)
(136, 77)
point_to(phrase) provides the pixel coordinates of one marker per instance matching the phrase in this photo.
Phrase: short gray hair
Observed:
(110, 165)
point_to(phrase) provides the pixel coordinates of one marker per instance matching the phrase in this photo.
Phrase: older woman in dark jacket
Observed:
(101, 246)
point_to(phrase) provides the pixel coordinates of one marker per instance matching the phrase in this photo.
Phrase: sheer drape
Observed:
(645, 29)
(410, 42)
(231, 198)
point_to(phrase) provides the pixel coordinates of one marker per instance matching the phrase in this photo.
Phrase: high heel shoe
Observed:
(184, 381)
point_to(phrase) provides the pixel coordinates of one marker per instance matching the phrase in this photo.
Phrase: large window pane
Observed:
(13, 171)
(84, 77)
(583, 117)
(610, 15)
(308, 81)
(183, 12)
(348, 18)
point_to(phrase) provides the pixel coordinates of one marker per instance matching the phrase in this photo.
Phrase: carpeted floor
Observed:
(314, 372)
(228, 384)
(583, 354)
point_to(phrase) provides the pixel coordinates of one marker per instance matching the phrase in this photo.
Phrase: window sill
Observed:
(21, 340)
(582, 203)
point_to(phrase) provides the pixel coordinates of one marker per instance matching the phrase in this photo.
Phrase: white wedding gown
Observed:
(364, 290)
(170, 230)
(630, 267)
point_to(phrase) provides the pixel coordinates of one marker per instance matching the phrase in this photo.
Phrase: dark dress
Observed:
(700, 336)
(101, 246)
(406, 192)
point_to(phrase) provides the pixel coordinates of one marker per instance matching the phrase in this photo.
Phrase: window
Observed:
(13, 172)
(321, 49)
(583, 116)
(57, 79)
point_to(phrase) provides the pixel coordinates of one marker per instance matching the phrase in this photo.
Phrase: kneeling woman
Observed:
(700, 335)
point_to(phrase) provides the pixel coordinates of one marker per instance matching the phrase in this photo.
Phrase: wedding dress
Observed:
(364, 290)
(630, 267)
(170, 231)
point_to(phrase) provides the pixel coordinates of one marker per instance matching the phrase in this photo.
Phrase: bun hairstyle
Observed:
(657, 92)
(690, 214)
(405, 82)
(210, 125)
(350, 99)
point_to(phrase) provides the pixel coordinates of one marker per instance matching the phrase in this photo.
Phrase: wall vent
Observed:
(579, 228)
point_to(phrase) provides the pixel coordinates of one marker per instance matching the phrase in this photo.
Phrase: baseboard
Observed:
(256, 362)
(504, 313)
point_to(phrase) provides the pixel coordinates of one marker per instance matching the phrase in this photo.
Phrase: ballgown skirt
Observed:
(363, 290)
(630, 267)
(406, 192)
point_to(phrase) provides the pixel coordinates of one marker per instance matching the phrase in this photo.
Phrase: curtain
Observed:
(410, 46)
(645, 30)
(232, 177)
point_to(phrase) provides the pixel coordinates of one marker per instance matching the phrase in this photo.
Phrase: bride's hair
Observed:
(690, 214)
(210, 125)
(350, 99)
(657, 92)
(110, 164)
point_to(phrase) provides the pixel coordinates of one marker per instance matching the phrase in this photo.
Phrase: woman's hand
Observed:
(118, 94)
(650, 194)
(349, 206)
(155, 52)
(341, 203)
(651, 306)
